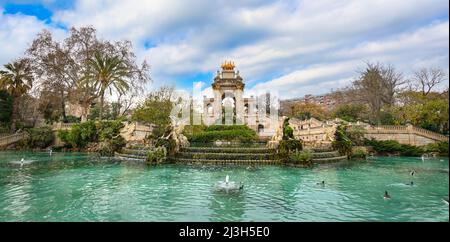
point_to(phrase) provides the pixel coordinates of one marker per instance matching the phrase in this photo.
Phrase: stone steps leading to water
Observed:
(228, 150)
(327, 154)
(225, 162)
(329, 159)
(229, 155)
(122, 156)
(225, 156)
(132, 154)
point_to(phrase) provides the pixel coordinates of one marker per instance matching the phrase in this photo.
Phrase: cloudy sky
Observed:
(294, 47)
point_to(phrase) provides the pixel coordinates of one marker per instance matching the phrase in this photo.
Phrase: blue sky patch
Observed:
(37, 10)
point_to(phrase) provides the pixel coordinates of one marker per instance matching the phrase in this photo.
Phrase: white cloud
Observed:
(296, 46)
(16, 33)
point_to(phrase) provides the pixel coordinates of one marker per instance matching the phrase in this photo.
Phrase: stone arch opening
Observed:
(260, 128)
(228, 103)
(209, 109)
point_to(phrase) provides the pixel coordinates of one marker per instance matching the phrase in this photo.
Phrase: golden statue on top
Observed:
(228, 65)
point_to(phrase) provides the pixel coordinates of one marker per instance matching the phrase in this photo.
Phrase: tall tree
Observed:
(17, 80)
(6, 106)
(377, 86)
(426, 79)
(106, 73)
(61, 65)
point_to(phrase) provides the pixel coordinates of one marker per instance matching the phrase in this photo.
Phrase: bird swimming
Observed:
(386, 195)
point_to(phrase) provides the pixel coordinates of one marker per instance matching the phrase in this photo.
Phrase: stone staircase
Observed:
(226, 155)
(135, 154)
(326, 155)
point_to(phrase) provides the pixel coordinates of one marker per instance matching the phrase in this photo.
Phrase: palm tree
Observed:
(17, 80)
(106, 72)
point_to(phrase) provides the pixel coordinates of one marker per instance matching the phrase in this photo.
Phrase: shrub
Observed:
(38, 138)
(439, 147)
(301, 157)
(168, 144)
(73, 119)
(190, 130)
(342, 142)
(157, 155)
(393, 146)
(240, 133)
(226, 127)
(355, 134)
(411, 150)
(288, 132)
(289, 146)
(80, 134)
(108, 147)
(105, 133)
(109, 129)
(359, 152)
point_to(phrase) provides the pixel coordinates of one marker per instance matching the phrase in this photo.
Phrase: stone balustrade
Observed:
(404, 134)
(62, 126)
(10, 139)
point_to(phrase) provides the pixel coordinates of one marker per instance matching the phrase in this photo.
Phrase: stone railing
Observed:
(62, 126)
(10, 139)
(408, 129)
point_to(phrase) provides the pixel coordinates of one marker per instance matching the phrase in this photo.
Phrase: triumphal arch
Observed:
(229, 106)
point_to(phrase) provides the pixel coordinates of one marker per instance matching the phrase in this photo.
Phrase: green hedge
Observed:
(393, 146)
(190, 130)
(213, 133)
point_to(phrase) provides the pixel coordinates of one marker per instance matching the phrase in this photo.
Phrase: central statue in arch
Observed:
(229, 106)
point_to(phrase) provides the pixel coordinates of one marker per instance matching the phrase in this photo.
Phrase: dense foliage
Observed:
(288, 144)
(156, 110)
(157, 155)
(38, 138)
(168, 144)
(393, 146)
(105, 133)
(301, 157)
(355, 134)
(440, 147)
(359, 152)
(239, 133)
(342, 142)
(351, 112)
(189, 130)
(6, 106)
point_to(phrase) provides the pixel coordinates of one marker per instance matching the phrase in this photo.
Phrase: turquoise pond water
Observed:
(83, 187)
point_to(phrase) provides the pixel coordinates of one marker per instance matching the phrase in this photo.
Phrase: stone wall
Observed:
(407, 134)
(316, 132)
